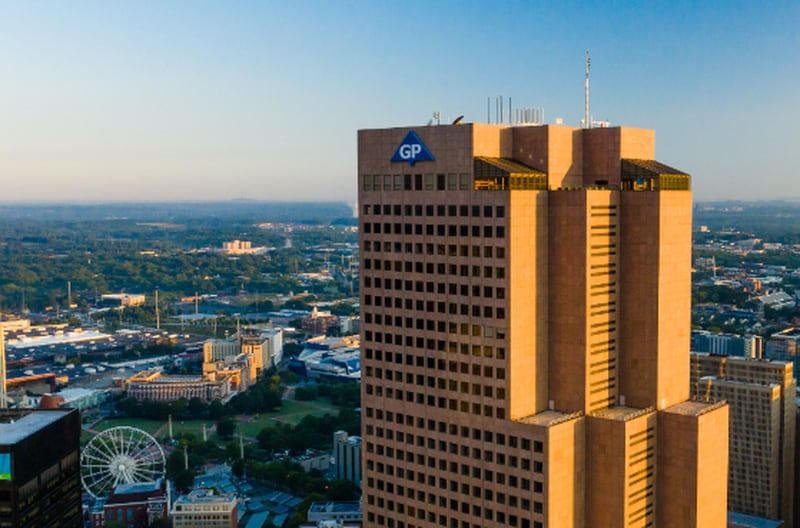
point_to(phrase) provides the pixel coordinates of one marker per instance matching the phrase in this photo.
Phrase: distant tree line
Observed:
(38, 258)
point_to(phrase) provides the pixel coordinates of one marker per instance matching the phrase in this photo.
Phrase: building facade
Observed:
(135, 505)
(761, 394)
(40, 482)
(783, 346)
(204, 508)
(525, 298)
(151, 385)
(219, 349)
(347, 457)
(726, 344)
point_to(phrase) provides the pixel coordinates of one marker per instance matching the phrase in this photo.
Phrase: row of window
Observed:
(378, 519)
(430, 400)
(475, 211)
(499, 476)
(469, 507)
(442, 307)
(501, 457)
(456, 270)
(438, 345)
(416, 182)
(474, 433)
(452, 230)
(429, 324)
(452, 250)
(433, 382)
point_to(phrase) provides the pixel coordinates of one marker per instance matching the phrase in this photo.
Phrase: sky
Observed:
(208, 100)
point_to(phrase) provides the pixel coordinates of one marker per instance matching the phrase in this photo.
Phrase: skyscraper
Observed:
(525, 297)
(761, 395)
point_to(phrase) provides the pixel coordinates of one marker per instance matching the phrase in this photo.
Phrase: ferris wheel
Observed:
(120, 455)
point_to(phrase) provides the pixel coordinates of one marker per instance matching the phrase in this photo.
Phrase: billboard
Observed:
(5, 466)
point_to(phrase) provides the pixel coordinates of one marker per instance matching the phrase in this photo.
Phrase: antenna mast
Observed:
(586, 122)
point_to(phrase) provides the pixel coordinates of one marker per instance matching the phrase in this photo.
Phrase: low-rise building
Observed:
(135, 505)
(313, 459)
(76, 398)
(330, 357)
(343, 512)
(319, 322)
(152, 385)
(202, 507)
(783, 346)
(726, 344)
(123, 299)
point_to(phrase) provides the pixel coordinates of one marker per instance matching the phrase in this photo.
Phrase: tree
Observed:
(160, 522)
(225, 428)
(274, 439)
(196, 407)
(237, 468)
(129, 407)
(183, 480)
(216, 410)
(341, 490)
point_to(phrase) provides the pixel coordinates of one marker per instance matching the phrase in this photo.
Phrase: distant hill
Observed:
(177, 212)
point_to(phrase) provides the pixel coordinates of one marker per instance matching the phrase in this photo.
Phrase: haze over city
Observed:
(214, 101)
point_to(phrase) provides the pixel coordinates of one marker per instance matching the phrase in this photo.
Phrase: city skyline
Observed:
(204, 101)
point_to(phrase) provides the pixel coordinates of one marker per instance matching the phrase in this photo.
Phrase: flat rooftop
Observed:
(335, 507)
(694, 408)
(621, 413)
(548, 418)
(205, 496)
(18, 425)
(137, 487)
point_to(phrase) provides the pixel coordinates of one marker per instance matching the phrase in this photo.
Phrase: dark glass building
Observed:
(40, 483)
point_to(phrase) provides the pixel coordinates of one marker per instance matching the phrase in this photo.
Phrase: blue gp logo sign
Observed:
(412, 150)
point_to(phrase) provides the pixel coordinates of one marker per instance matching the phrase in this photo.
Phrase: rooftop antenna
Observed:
(586, 122)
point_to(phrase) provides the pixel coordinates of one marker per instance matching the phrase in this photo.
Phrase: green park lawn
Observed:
(292, 412)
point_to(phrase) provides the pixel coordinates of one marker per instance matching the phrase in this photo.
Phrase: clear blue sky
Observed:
(208, 100)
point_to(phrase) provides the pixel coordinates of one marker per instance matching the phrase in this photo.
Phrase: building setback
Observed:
(40, 482)
(761, 395)
(525, 297)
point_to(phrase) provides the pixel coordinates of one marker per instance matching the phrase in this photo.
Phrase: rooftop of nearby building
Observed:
(137, 492)
(205, 496)
(16, 425)
(740, 520)
(621, 413)
(694, 408)
(335, 507)
(548, 418)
